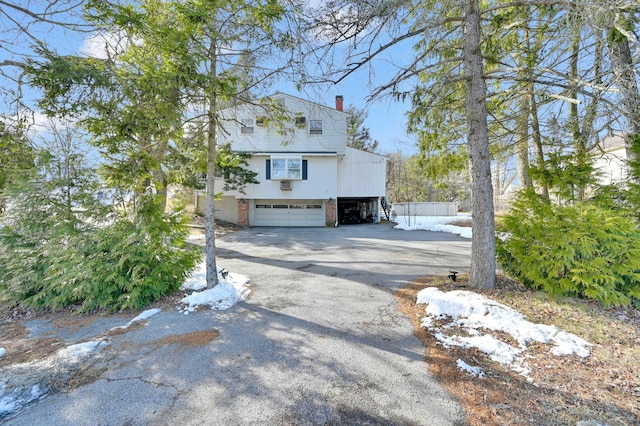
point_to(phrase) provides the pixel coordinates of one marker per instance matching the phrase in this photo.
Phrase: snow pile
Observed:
(231, 289)
(472, 312)
(434, 223)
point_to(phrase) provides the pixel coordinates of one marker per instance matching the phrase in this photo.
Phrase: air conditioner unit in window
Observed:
(301, 122)
(285, 185)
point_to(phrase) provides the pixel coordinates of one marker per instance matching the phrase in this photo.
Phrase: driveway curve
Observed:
(319, 342)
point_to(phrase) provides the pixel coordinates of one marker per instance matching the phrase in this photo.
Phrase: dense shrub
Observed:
(50, 259)
(579, 250)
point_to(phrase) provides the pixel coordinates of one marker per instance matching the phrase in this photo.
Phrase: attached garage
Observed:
(288, 213)
(358, 210)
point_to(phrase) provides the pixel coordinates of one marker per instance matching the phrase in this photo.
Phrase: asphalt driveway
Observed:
(320, 341)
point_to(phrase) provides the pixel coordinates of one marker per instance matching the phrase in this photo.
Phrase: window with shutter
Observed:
(278, 168)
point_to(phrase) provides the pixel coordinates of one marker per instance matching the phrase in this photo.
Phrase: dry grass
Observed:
(14, 338)
(604, 387)
(196, 338)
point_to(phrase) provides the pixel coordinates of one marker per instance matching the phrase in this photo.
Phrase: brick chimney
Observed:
(339, 102)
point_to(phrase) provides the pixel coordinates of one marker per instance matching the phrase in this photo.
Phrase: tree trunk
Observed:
(536, 137)
(483, 244)
(574, 116)
(522, 147)
(209, 213)
(160, 183)
(522, 119)
(622, 66)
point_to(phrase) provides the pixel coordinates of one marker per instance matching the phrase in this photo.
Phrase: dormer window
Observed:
(246, 126)
(315, 127)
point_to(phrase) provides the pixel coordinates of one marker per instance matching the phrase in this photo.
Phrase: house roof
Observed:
(611, 143)
(366, 153)
(276, 94)
(282, 94)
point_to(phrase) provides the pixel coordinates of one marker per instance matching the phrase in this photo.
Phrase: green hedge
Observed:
(47, 261)
(578, 250)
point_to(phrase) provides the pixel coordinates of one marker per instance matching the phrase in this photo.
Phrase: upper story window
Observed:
(315, 127)
(301, 121)
(246, 126)
(286, 168)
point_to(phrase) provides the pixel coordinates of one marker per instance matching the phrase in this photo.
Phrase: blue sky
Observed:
(386, 117)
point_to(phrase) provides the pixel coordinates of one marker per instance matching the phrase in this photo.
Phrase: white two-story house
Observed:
(307, 175)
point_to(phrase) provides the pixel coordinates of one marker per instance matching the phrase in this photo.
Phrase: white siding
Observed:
(611, 166)
(361, 174)
(321, 182)
(298, 139)
(227, 209)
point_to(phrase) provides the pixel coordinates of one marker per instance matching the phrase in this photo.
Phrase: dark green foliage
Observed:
(634, 160)
(567, 174)
(137, 260)
(188, 167)
(358, 136)
(232, 167)
(53, 256)
(16, 154)
(579, 250)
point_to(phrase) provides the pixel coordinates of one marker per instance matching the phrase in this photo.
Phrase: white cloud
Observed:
(103, 45)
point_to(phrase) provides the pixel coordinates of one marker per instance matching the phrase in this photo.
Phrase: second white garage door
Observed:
(288, 213)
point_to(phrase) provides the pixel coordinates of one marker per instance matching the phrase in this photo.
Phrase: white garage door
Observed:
(288, 213)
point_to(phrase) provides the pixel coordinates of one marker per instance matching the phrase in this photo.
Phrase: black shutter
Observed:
(268, 169)
(304, 169)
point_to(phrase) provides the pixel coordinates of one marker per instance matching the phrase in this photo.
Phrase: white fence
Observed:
(425, 209)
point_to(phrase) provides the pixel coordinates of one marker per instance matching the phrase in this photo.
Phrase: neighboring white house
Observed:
(611, 160)
(308, 176)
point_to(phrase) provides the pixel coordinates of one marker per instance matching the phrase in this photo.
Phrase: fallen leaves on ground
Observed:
(603, 387)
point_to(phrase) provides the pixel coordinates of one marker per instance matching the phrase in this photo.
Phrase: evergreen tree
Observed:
(183, 61)
(61, 246)
(357, 135)
(17, 156)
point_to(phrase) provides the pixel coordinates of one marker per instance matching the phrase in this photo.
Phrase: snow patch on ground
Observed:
(24, 383)
(231, 289)
(3, 351)
(82, 350)
(473, 313)
(434, 223)
(143, 316)
(476, 371)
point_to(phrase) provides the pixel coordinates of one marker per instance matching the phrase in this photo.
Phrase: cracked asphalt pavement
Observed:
(319, 342)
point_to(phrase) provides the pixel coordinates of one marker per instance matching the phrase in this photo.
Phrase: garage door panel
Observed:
(288, 213)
